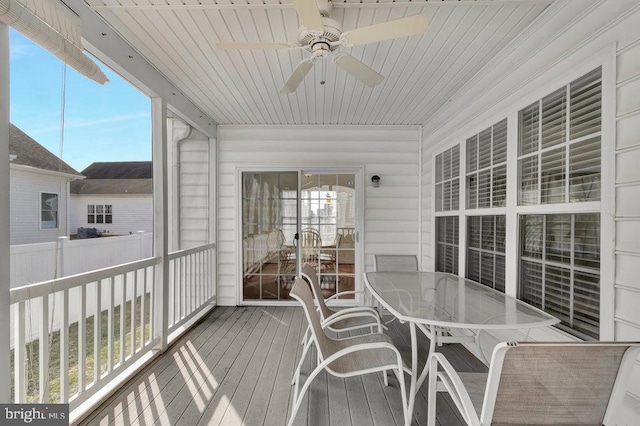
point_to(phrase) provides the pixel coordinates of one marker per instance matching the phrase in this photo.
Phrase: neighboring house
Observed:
(116, 198)
(39, 183)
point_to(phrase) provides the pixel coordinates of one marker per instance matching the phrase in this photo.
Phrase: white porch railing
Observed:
(116, 323)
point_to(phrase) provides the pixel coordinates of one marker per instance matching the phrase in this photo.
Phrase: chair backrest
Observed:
(309, 272)
(302, 292)
(556, 383)
(310, 242)
(395, 262)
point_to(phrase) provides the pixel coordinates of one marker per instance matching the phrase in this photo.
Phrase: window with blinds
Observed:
(447, 244)
(448, 180)
(486, 250)
(487, 167)
(560, 268)
(559, 144)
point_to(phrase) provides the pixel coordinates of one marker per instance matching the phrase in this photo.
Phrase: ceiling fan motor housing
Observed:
(331, 33)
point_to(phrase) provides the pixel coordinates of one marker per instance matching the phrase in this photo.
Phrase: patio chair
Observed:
(539, 383)
(394, 263)
(347, 319)
(370, 353)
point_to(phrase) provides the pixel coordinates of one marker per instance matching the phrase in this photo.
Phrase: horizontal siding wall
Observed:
(25, 190)
(390, 211)
(194, 190)
(131, 213)
(608, 23)
(627, 265)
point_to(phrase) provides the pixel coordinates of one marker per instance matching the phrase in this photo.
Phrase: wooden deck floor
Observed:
(235, 368)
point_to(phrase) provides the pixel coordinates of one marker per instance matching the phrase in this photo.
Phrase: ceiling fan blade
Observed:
(298, 75)
(398, 28)
(309, 14)
(255, 45)
(357, 69)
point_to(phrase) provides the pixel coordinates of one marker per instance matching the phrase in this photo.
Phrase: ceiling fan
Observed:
(321, 35)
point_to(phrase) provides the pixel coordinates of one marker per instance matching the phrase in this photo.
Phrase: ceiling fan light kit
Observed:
(321, 35)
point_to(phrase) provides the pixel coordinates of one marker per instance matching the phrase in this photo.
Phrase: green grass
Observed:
(33, 353)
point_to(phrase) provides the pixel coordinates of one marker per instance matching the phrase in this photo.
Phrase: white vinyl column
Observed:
(4, 215)
(160, 218)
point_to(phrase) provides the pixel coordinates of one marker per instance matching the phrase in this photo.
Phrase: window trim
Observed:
(40, 210)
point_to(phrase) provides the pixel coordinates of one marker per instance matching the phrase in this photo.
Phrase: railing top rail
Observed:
(21, 294)
(187, 252)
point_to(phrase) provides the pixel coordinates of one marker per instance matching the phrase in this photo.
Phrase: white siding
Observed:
(546, 69)
(131, 213)
(390, 211)
(194, 190)
(25, 190)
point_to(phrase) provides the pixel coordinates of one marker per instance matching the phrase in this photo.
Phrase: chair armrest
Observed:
(453, 385)
(352, 313)
(342, 293)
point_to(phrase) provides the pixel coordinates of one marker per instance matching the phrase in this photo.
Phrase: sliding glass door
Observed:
(292, 218)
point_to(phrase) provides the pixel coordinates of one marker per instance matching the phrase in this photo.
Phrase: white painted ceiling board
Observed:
(422, 73)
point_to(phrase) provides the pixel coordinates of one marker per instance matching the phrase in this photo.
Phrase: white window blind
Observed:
(56, 28)
(447, 180)
(559, 145)
(486, 250)
(486, 167)
(560, 268)
(447, 244)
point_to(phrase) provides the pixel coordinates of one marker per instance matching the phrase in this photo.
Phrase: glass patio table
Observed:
(436, 302)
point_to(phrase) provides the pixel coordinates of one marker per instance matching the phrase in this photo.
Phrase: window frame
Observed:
(41, 210)
(102, 214)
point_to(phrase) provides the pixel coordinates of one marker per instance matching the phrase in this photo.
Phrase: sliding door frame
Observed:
(357, 171)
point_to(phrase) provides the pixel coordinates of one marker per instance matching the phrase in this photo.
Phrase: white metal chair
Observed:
(394, 263)
(577, 383)
(370, 353)
(347, 319)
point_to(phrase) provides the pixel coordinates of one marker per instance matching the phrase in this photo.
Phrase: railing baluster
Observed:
(181, 298)
(43, 367)
(176, 290)
(152, 307)
(191, 282)
(20, 355)
(97, 333)
(64, 349)
(134, 295)
(82, 338)
(110, 325)
(125, 277)
(143, 305)
(201, 283)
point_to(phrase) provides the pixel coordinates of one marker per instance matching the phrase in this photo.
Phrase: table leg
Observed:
(414, 371)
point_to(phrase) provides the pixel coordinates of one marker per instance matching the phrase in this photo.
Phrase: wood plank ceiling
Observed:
(422, 73)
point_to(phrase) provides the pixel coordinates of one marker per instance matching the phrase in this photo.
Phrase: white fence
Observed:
(34, 263)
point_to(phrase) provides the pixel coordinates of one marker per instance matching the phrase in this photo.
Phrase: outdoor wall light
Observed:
(375, 179)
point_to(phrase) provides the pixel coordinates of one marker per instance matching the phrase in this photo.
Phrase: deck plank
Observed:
(235, 368)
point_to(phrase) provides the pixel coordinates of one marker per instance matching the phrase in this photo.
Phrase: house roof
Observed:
(112, 186)
(119, 170)
(116, 178)
(30, 153)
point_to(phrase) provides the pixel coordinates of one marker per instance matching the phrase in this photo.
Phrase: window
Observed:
(447, 244)
(487, 167)
(99, 213)
(560, 268)
(559, 145)
(447, 180)
(48, 210)
(485, 250)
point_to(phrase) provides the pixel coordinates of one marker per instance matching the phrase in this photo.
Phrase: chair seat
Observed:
(475, 383)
